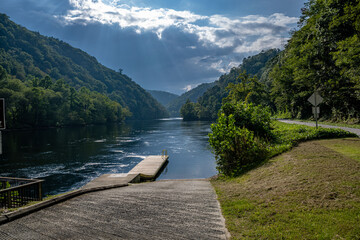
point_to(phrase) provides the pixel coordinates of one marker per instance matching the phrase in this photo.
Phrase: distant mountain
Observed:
(193, 95)
(163, 97)
(24, 53)
(258, 65)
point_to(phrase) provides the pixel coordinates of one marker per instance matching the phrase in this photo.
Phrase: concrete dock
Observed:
(150, 167)
(147, 169)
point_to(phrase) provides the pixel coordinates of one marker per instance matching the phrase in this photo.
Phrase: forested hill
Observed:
(209, 103)
(193, 95)
(323, 55)
(24, 53)
(163, 97)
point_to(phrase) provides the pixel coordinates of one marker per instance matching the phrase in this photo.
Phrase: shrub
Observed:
(234, 145)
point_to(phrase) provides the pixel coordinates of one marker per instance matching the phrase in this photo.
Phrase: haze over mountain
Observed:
(163, 97)
(192, 95)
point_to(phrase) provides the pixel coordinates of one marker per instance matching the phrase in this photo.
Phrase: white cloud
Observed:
(221, 31)
(229, 37)
(188, 87)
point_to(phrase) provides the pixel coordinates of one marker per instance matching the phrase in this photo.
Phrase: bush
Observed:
(255, 118)
(243, 136)
(239, 137)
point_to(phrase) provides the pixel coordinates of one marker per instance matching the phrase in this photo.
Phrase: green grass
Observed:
(310, 192)
(332, 123)
(347, 147)
(289, 135)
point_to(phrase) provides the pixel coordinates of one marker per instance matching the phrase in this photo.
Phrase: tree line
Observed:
(323, 54)
(43, 102)
(24, 53)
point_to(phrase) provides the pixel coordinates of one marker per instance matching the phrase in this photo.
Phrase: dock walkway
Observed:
(147, 169)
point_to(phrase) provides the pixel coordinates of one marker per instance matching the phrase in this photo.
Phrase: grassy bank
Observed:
(310, 192)
(289, 135)
(332, 123)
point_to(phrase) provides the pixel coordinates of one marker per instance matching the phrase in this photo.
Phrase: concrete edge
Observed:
(223, 220)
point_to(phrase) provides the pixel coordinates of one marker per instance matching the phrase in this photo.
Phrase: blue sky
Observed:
(163, 44)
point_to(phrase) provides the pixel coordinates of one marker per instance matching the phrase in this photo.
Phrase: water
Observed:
(68, 158)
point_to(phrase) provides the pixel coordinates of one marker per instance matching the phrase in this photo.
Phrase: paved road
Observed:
(176, 209)
(353, 130)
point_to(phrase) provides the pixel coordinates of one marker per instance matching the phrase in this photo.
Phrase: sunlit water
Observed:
(68, 158)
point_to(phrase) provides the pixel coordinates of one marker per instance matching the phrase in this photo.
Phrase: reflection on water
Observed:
(68, 158)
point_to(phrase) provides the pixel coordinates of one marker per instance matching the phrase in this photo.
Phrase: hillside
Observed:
(311, 192)
(193, 95)
(163, 97)
(258, 65)
(24, 53)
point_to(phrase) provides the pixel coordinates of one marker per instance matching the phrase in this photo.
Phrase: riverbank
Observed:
(310, 192)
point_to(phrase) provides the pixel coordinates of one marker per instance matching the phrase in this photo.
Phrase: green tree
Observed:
(322, 55)
(189, 111)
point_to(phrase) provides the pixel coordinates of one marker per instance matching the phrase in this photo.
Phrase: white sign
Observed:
(317, 110)
(315, 99)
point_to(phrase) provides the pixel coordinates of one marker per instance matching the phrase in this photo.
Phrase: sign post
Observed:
(2, 120)
(315, 99)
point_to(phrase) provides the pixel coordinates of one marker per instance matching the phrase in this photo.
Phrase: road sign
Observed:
(2, 114)
(315, 110)
(315, 99)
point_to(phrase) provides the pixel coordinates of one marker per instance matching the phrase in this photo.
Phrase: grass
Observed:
(289, 135)
(310, 192)
(347, 147)
(332, 123)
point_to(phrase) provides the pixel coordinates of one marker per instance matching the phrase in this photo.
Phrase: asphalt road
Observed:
(176, 209)
(353, 130)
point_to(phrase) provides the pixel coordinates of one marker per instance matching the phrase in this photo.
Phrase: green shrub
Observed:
(255, 118)
(243, 136)
(239, 137)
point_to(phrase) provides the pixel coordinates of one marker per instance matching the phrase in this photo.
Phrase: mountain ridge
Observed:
(25, 53)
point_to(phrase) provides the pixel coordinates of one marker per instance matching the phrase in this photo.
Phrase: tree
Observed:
(189, 112)
(322, 55)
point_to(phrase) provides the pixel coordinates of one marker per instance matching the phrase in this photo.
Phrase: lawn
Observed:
(310, 192)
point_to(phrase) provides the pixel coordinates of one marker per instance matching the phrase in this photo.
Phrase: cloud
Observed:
(188, 88)
(216, 30)
(175, 50)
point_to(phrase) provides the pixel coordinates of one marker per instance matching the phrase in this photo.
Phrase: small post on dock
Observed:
(163, 153)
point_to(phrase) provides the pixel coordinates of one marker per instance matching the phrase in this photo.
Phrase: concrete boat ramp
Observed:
(113, 208)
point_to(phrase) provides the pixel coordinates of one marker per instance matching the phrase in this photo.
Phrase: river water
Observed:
(68, 158)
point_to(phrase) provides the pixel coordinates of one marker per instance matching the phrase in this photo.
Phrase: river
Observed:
(68, 158)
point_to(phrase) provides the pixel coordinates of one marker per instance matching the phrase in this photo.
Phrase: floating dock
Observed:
(146, 170)
(150, 167)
